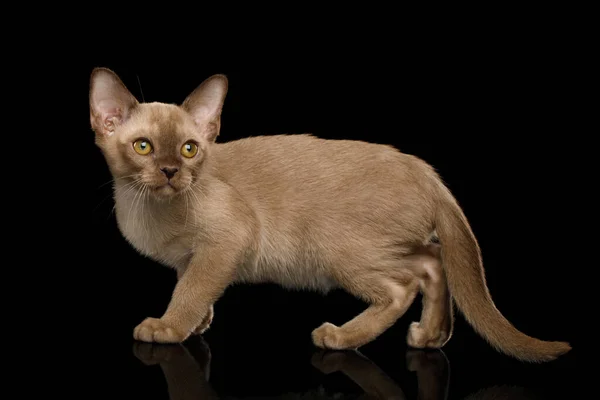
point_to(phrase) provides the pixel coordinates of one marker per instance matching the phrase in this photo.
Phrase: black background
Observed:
(494, 115)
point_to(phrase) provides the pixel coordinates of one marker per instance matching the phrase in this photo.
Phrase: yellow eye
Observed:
(142, 146)
(189, 150)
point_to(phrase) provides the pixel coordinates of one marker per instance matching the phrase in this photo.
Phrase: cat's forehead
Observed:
(161, 120)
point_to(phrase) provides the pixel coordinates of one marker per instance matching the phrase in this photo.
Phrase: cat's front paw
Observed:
(156, 330)
(327, 336)
(419, 338)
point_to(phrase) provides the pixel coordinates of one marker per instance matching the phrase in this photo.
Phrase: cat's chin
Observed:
(165, 191)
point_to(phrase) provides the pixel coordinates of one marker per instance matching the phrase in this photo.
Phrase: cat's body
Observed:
(308, 200)
(295, 210)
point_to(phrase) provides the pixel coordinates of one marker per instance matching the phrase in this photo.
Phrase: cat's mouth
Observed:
(166, 189)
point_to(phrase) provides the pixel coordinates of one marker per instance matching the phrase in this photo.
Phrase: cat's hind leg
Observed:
(435, 328)
(389, 299)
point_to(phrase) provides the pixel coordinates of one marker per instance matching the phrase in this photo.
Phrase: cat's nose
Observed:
(169, 171)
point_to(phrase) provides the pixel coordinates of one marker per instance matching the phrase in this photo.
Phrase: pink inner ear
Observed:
(109, 109)
(110, 115)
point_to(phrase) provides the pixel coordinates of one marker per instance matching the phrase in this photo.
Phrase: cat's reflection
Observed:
(431, 368)
(186, 369)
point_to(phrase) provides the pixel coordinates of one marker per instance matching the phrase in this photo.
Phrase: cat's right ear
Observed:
(111, 102)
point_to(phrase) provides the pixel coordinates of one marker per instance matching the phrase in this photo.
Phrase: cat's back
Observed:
(296, 173)
(283, 144)
(305, 158)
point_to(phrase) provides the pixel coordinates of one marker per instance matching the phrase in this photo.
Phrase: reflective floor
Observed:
(194, 371)
(186, 371)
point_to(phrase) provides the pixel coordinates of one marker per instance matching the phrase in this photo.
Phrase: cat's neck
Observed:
(137, 208)
(163, 229)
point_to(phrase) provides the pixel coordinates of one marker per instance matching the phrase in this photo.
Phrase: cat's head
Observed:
(157, 146)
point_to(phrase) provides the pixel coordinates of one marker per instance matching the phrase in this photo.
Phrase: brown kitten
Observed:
(295, 210)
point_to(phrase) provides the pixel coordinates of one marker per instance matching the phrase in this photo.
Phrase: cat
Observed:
(295, 210)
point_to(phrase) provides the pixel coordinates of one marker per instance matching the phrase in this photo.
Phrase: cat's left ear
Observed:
(111, 102)
(205, 105)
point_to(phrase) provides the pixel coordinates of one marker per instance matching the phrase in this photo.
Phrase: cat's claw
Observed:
(153, 330)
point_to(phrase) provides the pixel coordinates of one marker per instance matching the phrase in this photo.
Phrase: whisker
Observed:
(130, 208)
(112, 211)
(132, 186)
(140, 84)
(110, 194)
(197, 202)
(132, 183)
(186, 210)
(115, 205)
(195, 194)
(101, 201)
(146, 198)
(194, 206)
(114, 179)
(204, 196)
(129, 187)
(143, 217)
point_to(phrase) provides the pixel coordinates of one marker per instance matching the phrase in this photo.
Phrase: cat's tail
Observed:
(461, 257)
